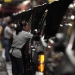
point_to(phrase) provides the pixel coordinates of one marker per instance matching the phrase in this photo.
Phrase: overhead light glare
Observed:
(23, 10)
(71, 6)
(69, 24)
(19, 12)
(26, 2)
(72, 17)
(61, 25)
(0, 5)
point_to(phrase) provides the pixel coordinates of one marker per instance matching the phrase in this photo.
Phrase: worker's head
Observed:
(26, 27)
(10, 24)
(22, 26)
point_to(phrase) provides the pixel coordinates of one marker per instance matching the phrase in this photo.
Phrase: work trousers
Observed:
(7, 48)
(17, 65)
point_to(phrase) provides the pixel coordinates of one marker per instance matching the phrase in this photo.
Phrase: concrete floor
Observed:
(8, 64)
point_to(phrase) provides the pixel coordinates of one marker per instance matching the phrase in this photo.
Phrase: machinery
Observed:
(52, 47)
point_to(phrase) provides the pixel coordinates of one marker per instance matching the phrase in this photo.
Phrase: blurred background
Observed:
(60, 18)
(7, 7)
